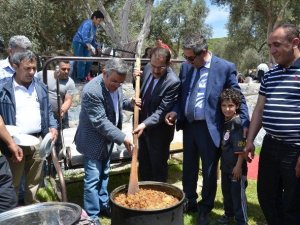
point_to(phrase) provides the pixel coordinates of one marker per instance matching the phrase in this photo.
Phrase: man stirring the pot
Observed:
(99, 128)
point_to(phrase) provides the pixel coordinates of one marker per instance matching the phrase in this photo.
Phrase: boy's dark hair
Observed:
(233, 95)
(98, 14)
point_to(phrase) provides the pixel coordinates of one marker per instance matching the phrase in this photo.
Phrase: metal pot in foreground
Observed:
(47, 213)
(168, 216)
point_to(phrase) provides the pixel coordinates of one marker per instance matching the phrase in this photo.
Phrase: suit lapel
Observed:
(109, 103)
(187, 83)
(147, 76)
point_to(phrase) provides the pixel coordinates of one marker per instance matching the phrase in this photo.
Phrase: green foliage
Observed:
(249, 25)
(50, 25)
(217, 46)
(173, 20)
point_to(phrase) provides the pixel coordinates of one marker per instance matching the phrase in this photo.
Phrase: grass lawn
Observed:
(75, 193)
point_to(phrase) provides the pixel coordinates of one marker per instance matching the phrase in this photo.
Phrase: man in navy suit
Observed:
(99, 128)
(159, 92)
(203, 77)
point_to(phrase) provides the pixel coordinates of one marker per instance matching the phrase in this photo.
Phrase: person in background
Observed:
(146, 55)
(198, 113)
(8, 197)
(84, 44)
(233, 164)
(160, 44)
(66, 88)
(277, 110)
(16, 44)
(159, 92)
(99, 128)
(24, 103)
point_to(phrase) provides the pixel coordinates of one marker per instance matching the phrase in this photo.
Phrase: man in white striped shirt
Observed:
(278, 112)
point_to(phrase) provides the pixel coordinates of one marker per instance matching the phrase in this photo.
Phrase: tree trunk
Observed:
(109, 26)
(124, 21)
(145, 29)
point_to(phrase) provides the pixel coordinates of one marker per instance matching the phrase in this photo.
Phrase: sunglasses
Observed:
(189, 58)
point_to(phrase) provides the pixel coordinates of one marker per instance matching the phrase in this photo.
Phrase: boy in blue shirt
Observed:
(233, 164)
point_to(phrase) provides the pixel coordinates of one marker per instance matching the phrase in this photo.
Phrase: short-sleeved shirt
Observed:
(281, 115)
(233, 143)
(65, 87)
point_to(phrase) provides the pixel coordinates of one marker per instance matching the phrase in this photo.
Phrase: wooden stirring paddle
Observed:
(133, 186)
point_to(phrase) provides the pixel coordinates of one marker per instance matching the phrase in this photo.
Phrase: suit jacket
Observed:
(97, 131)
(221, 75)
(163, 98)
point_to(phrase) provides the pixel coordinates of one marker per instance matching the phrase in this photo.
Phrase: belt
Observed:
(36, 134)
(279, 141)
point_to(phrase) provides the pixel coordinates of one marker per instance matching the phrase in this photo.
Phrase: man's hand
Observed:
(128, 144)
(137, 102)
(298, 167)
(54, 134)
(249, 149)
(139, 130)
(170, 118)
(17, 152)
(137, 73)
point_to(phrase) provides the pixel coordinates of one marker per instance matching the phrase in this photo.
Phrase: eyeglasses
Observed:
(116, 83)
(158, 67)
(189, 58)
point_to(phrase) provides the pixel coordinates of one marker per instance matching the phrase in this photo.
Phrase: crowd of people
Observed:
(204, 101)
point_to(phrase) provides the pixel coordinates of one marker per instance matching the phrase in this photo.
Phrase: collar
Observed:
(6, 64)
(16, 85)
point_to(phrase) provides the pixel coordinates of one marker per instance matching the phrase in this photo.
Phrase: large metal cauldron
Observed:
(167, 216)
(48, 213)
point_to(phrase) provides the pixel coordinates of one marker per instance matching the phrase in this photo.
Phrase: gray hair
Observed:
(19, 41)
(196, 42)
(116, 64)
(18, 57)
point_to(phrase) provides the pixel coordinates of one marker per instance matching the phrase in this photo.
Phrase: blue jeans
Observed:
(278, 188)
(235, 201)
(82, 68)
(95, 195)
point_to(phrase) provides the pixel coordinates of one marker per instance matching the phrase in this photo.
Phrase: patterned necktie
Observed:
(193, 96)
(146, 100)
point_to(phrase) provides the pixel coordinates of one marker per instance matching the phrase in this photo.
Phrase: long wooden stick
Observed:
(133, 186)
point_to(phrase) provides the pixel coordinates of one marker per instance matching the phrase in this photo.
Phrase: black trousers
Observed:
(154, 148)
(278, 188)
(8, 198)
(235, 201)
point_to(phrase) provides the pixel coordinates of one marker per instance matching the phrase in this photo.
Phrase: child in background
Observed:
(233, 164)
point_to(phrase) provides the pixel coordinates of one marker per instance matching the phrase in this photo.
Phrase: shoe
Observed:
(190, 207)
(225, 219)
(203, 219)
(106, 212)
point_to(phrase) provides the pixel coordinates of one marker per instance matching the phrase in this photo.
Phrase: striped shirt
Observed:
(281, 115)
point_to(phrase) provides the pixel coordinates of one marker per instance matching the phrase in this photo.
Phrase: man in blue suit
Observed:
(203, 77)
(99, 128)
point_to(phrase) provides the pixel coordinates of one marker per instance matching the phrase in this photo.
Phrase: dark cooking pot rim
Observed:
(147, 183)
